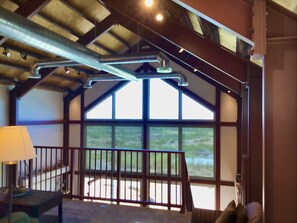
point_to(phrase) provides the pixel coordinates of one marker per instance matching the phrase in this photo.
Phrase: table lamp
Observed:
(15, 145)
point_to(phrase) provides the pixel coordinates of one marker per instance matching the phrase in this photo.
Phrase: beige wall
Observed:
(280, 128)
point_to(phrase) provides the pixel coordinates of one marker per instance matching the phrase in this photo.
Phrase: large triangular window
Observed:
(127, 101)
(165, 102)
(194, 110)
(102, 111)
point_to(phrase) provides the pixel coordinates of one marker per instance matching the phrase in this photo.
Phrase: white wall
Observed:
(43, 105)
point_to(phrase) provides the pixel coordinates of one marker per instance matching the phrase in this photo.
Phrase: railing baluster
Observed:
(106, 168)
(100, 173)
(125, 178)
(162, 178)
(118, 176)
(137, 176)
(89, 168)
(131, 166)
(95, 171)
(169, 181)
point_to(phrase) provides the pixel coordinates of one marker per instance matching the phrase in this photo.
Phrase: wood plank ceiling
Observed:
(110, 27)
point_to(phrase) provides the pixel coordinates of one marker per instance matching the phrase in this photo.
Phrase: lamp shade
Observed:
(15, 144)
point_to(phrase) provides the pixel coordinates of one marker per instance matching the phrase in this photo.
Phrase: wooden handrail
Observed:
(141, 176)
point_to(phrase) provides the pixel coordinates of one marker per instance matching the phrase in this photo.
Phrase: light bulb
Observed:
(159, 17)
(149, 3)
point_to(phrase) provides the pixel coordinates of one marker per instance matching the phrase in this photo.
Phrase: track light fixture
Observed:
(181, 50)
(24, 55)
(67, 71)
(6, 52)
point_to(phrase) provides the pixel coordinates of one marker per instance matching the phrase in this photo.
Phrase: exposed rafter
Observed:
(170, 48)
(58, 24)
(233, 15)
(120, 39)
(85, 40)
(205, 50)
(27, 10)
(104, 48)
(209, 30)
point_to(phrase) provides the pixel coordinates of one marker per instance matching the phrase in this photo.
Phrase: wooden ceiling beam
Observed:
(170, 48)
(282, 10)
(19, 49)
(13, 65)
(220, 59)
(5, 79)
(70, 6)
(68, 78)
(120, 39)
(54, 87)
(99, 29)
(27, 10)
(56, 23)
(234, 15)
(209, 30)
(104, 48)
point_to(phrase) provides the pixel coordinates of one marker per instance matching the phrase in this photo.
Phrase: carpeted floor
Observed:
(92, 212)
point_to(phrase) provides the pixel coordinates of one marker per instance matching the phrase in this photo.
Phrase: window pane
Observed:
(203, 196)
(102, 110)
(129, 101)
(128, 137)
(164, 138)
(194, 110)
(163, 100)
(98, 136)
(198, 144)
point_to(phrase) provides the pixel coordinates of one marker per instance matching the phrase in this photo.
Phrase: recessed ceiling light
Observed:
(195, 70)
(149, 3)
(181, 50)
(159, 17)
(229, 91)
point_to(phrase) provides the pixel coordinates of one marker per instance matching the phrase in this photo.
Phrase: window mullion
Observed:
(180, 102)
(113, 105)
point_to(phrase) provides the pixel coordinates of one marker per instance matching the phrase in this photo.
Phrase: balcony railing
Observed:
(144, 177)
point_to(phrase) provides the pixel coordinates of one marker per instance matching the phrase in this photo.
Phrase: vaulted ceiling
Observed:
(211, 39)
